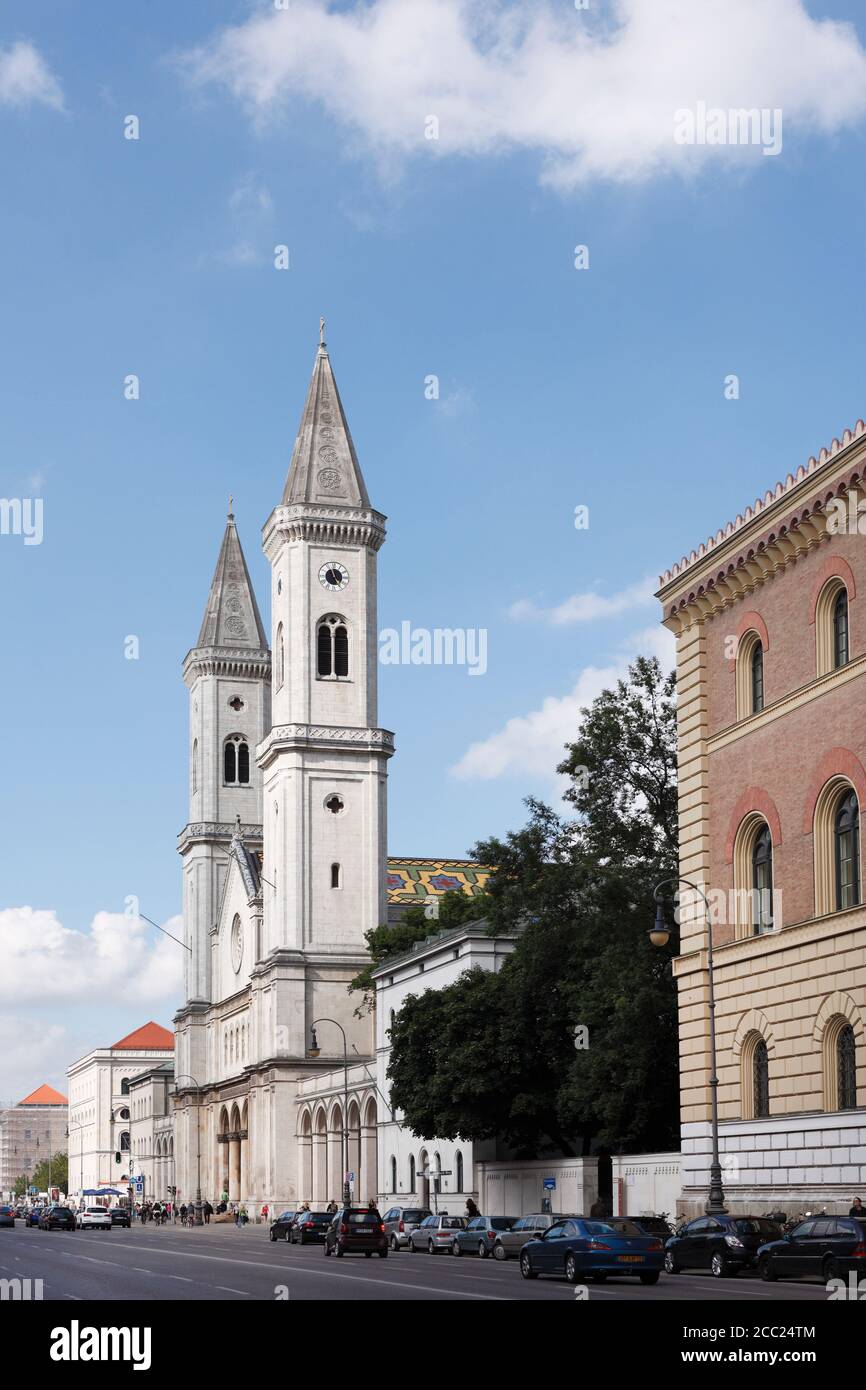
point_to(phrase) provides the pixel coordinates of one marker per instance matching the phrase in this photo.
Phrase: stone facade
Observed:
(773, 768)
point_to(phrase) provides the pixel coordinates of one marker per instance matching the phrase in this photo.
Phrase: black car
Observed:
(57, 1219)
(723, 1244)
(356, 1230)
(647, 1225)
(282, 1224)
(120, 1216)
(827, 1247)
(309, 1227)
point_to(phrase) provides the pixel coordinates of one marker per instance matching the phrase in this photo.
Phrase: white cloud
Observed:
(43, 961)
(534, 743)
(32, 1050)
(588, 606)
(593, 92)
(26, 77)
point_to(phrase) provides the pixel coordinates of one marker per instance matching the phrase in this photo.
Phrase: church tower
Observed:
(228, 674)
(323, 763)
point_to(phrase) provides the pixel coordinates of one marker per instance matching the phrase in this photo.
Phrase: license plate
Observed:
(630, 1259)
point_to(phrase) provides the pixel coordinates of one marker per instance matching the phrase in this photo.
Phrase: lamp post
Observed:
(198, 1203)
(659, 936)
(313, 1051)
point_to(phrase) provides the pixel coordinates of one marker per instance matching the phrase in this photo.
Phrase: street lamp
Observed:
(659, 935)
(198, 1203)
(313, 1051)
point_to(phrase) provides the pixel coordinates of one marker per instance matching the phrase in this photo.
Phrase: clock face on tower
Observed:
(333, 576)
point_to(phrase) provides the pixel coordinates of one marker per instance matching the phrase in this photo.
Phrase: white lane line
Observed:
(332, 1274)
(73, 1296)
(137, 1270)
(243, 1292)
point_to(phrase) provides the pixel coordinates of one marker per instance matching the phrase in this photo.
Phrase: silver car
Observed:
(508, 1244)
(436, 1233)
(400, 1222)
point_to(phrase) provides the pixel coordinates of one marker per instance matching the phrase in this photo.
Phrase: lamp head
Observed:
(660, 934)
(313, 1050)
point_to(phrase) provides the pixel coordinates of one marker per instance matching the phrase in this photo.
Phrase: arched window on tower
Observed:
(194, 766)
(336, 876)
(280, 657)
(124, 1086)
(847, 847)
(236, 761)
(332, 648)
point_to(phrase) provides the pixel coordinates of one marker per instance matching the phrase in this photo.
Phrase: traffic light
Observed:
(117, 1157)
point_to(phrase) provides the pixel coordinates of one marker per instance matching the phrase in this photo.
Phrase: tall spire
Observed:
(324, 465)
(232, 616)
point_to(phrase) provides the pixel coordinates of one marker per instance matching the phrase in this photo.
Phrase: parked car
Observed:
(508, 1244)
(436, 1232)
(479, 1236)
(356, 1230)
(583, 1248)
(309, 1227)
(828, 1247)
(119, 1216)
(399, 1222)
(57, 1219)
(723, 1244)
(281, 1224)
(33, 1215)
(95, 1218)
(7, 1216)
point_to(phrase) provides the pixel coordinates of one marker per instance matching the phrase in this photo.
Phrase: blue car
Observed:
(581, 1248)
(33, 1216)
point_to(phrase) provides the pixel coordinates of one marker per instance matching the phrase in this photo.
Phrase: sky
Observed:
(431, 167)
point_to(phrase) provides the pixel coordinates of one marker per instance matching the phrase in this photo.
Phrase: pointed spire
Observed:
(324, 465)
(232, 616)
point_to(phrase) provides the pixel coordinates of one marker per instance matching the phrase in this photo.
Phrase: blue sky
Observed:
(454, 257)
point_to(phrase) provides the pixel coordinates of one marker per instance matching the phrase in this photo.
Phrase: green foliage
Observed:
(495, 1055)
(21, 1185)
(59, 1169)
(388, 941)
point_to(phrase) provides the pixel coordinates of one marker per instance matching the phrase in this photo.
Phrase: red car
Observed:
(357, 1230)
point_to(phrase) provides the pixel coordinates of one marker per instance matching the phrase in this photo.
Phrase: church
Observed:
(285, 852)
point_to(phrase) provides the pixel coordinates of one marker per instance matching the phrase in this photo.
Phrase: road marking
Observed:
(243, 1292)
(332, 1274)
(73, 1296)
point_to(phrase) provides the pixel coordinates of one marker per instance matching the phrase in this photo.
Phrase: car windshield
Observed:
(756, 1226)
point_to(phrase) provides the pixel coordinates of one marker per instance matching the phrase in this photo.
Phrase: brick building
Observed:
(770, 621)
(32, 1131)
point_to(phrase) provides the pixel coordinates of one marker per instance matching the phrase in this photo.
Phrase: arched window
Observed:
(411, 1172)
(458, 1171)
(840, 629)
(236, 761)
(762, 882)
(194, 766)
(846, 1068)
(336, 881)
(280, 657)
(437, 1173)
(124, 1141)
(847, 852)
(757, 669)
(124, 1086)
(760, 1081)
(124, 1114)
(393, 1174)
(332, 648)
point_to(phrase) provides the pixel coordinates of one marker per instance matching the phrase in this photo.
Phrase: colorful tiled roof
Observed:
(44, 1095)
(151, 1036)
(413, 880)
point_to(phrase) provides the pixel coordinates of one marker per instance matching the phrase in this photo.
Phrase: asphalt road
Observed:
(223, 1263)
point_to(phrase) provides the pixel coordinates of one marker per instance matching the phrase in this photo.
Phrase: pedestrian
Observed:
(858, 1209)
(471, 1209)
(157, 1213)
(208, 1213)
(183, 1214)
(332, 1207)
(372, 1204)
(265, 1211)
(241, 1219)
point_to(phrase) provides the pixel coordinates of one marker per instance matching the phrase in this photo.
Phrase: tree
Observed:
(388, 941)
(59, 1173)
(501, 1055)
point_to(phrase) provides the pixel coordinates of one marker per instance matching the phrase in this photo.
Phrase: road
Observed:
(222, 1263)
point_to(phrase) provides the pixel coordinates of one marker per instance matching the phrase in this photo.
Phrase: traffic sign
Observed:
(550, 1184)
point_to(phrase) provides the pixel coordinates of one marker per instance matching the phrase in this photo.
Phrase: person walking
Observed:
(265, 1212)
(858, 1209)
(471, 1209)
(208, 1213)
(183, 1214)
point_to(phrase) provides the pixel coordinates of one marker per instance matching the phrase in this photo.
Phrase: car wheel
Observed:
(719, 1267)
(830, 1270)
(431, 1248)
(671, 1266)
(368, 1254)
(498, 1251)
(455, 1248)
(571, 1269)
(482, 1250)
(273, 1235)
(766, 1269)
(393, 1244)
(526, 1268)
(651, 1277)
(383, 1254)
(289, 1236)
